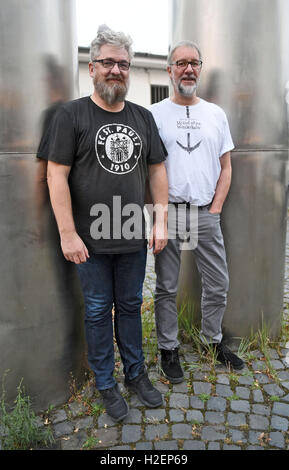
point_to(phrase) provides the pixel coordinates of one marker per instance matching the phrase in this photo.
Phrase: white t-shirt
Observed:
(195, 138)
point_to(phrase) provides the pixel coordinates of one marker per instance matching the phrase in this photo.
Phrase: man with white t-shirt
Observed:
(198, 141)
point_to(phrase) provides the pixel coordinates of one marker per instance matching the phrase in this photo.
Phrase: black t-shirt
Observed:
(108, 153)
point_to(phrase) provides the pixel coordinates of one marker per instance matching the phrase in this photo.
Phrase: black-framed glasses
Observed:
(109, 64)
(182, 64)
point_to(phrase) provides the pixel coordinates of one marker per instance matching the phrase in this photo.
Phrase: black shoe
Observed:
(228, 358)
(115, 405)
(147, 394)
(171, 366)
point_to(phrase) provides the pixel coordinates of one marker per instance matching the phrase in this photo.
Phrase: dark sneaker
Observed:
(228, 358)
(147, 394)
(171, 366)
(115, 405)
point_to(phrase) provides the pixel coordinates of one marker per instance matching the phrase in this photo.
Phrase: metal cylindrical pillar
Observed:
(246, 71)
(41, 332)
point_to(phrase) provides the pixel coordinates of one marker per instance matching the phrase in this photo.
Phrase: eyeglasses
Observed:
(109, 64)
(182, 64)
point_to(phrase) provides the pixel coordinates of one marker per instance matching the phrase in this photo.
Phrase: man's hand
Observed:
(158, 238)
(73, 248)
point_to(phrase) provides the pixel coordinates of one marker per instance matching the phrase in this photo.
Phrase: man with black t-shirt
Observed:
(101, 151)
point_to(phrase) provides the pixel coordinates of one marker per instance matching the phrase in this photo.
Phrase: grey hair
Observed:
(106, 36)
(181, 44)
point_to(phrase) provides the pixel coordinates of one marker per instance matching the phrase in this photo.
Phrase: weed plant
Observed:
(19, 427)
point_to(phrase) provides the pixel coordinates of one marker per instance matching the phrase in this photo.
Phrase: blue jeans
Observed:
(107, 280)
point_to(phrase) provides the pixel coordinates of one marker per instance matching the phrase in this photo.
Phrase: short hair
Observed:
(185, 43)
(106, 36)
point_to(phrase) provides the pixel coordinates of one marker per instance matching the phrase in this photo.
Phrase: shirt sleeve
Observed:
(157, 151)
(227, 142)
(60, 139)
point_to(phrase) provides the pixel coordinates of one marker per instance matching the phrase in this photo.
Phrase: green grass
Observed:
(20, 426)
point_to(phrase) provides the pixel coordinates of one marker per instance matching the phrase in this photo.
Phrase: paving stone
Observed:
(278, 365)
(214, 417)
(214, 446)
(281, 409)
(255, 448)
(190, 357)
(263, 379)
(286, 398)
(196, 402)
(240, 405)
(243, 392)
(181, 431)
(258, 422)
(58, 417)
(201, 376)
(231, 447)
(216, 404)
(176, 416)
(155, 415)
(246, 380)
(119, 448)
(84, 423)
(261, 410)
(154, 431)
(166, 445)
(180, 388)
(254, 437)
(194, 416)
(202, 388)
(274, 390)
(77, 409)
(194, 445)
(285, 384)
(75, 441)
(283, 375)
(131, 433)
(237, 436)
(63, 429)
(236, 419)
(279, 423)
(134, 416)
(213, 433)
(223, 390)
(105, 437)
(273, 354)
(259, 365)
(163, 388)
(143, 446)
(179, 400)
(223, 379)
(277, 439)
(258, 396)
(105, 421)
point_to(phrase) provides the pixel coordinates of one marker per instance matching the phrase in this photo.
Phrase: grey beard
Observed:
(187, 90)
(111, 94)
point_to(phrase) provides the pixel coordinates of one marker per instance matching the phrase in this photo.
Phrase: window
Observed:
(159, 93)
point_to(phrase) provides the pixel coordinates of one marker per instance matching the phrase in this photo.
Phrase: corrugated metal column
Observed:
(41, 332)
(246, 71)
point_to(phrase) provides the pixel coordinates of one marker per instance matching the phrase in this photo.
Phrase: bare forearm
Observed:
(222, 190)
(159, 193)
(72, 246)
(61, 203)
(158, 184)
(223, 184)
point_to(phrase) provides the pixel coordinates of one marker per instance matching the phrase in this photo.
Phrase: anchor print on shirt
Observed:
(188, 148)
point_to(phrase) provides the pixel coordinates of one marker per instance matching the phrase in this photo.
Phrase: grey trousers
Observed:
(210, 258)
